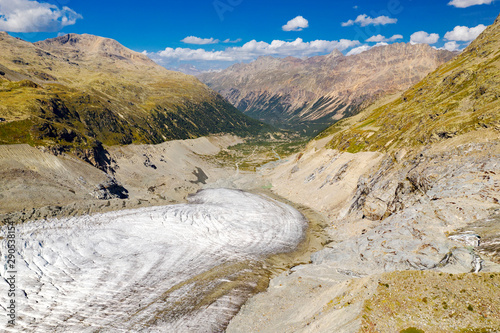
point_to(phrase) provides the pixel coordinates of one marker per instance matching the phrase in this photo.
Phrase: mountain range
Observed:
(317, 91)
(459, 97)
(83, 90)
(402, 198)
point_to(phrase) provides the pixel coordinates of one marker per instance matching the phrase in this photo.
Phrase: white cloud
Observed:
(365, 20)
(279, 48)
(364, 48)
(377, 38)
(192, 54)
(358, 50)
(464, 34)
(468, 3)
(422, 37)
(33, 16)
(229, 41)
(380, 38)
(451, 46)
(206, 41)
(395, 37)
(297, 24)
(199, 41)
(252, 50)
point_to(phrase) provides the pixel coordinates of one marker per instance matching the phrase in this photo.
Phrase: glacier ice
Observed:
(142, 269)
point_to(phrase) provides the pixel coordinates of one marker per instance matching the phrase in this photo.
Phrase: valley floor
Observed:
(410, 239)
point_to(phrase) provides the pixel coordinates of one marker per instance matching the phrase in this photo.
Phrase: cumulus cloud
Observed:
(395, 37)
(377, 38)
(297, 24)
(468, 3)
(422, 37)
(464, 34)
(252, 50)
(192, 54)
(199, 41)
(380, 38)
(451, 46)
(358, 50)
(364, 48)
(34, 16)
(364, 20)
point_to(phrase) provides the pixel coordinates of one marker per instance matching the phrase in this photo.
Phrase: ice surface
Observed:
(144, 269)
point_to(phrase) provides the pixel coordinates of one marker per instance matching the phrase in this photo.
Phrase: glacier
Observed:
(178, 268)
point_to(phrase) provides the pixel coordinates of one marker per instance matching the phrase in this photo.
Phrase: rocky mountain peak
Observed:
(265, 59)
(334, 54)
(84, 42)
(92, 45)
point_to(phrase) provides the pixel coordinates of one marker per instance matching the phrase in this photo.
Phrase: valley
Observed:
(143, 201)
(309, 94)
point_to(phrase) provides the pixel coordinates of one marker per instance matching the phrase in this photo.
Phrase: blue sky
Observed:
(217, 33)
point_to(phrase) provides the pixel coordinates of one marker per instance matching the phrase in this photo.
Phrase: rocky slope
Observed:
(388, 216)
(413, 223)
(410, 229)
(78, 90)
(36, 184)
(461, 96)
(319, 90)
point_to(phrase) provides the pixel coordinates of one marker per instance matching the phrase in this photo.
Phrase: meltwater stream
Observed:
(179, 268)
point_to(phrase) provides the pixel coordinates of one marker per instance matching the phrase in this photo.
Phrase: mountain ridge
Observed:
(76, 91)
(73, 44)
(322, 89)
(460, 96)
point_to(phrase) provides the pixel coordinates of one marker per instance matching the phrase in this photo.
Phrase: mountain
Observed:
(80, 90)
(410, 193)
(319, 90)
(459, 97)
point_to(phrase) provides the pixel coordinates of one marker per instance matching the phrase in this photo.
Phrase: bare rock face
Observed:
(322, 89)
(410, 234)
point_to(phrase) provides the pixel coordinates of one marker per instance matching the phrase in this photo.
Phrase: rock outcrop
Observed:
(395, 222)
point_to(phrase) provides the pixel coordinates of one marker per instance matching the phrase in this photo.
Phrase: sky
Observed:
(213, 34)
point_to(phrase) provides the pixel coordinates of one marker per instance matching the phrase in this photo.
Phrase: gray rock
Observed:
(467, 238)
(110, 189)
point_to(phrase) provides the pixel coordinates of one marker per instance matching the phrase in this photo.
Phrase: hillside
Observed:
(79, 90)
(410, 191)
(459, 97)
(315, 92)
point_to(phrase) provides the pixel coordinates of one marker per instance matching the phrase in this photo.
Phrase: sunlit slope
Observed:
(459, 97)
(76, 89)
(318, 91)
